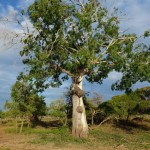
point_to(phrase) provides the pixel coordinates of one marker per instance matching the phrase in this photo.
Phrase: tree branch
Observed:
(81, 4)
(62, 70)
(112, 42)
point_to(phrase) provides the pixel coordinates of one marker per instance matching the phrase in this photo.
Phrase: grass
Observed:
(59, 136)
(133, 137)
(4, 148)
(137, 140)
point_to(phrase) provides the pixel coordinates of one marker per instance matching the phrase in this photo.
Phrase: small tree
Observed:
(124, 105)
(144, 104)
(1, 114)
(13, 111)
(26, 103)
(57, 109)
(144, 93)
(92, 105)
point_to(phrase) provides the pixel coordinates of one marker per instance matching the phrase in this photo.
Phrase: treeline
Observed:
(121, 107)
(28, 107)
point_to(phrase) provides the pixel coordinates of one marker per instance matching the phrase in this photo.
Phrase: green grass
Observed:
(59, 136)
(106, 135)
(134, 141)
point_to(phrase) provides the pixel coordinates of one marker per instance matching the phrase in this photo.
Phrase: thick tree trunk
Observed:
(79, 122)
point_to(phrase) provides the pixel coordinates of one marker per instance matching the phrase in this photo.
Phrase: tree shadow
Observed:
(129, 126)
(49, 124)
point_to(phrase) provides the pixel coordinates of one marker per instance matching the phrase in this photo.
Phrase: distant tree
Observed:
(57, 109)
(81, 40)
(144, 104)
(144, 93)
(1, 114)
(26, 103)
(13, 111)
(124, 105)
(92, 105)
(105, 109)
(143, 107)
(69, 105)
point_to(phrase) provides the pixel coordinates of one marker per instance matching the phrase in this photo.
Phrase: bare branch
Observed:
(112, 42)
(73, 49)
(81, 4)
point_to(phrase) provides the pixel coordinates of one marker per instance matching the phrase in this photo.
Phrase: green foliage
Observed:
(57, 109)
(124, 105)
(136, 69)
(25, 101)
(144, 93)
(74, 39)
(144, 105)
(1, 114)
(91, 105)
(147, 33)
(12, 109)
(105, 110)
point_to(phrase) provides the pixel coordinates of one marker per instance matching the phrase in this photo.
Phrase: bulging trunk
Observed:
(79, 122)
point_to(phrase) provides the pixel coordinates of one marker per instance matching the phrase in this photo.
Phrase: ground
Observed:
(105, 137)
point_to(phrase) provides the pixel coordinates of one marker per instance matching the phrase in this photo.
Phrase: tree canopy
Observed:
(73, 39)
(25, 101)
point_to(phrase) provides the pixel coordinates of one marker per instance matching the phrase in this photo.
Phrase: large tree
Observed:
(77, 39)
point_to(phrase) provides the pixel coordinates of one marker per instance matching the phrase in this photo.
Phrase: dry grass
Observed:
(134, 136)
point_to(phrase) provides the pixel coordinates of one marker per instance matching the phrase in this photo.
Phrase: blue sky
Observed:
(136, 20)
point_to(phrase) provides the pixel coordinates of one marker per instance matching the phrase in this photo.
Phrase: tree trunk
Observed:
(92, 117)
(28, 122)
(22, 123)
(79, 122)
(16, 124)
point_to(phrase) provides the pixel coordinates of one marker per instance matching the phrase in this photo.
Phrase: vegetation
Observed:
(126, 106)
(57, 110)
(26, 103)
(80, 40)
(121, 123)
(1, 114)
(91, 106)
(107, 136)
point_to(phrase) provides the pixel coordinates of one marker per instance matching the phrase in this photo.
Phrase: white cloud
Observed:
(23, 4)
(137, 15)
(11, 32)
(114, 76)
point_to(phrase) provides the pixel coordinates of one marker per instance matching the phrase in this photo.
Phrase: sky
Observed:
(134, 19)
